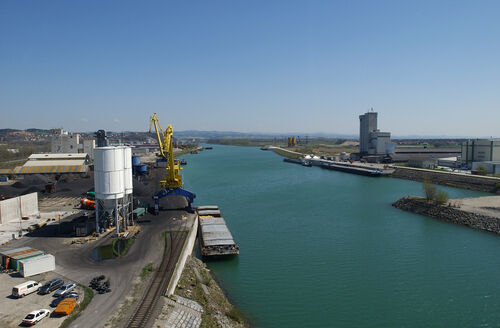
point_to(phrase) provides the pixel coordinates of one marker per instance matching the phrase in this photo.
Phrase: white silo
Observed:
(109, 184)
(127, 174)
(128, 185)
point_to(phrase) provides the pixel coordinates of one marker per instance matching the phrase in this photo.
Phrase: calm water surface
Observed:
(325, 249)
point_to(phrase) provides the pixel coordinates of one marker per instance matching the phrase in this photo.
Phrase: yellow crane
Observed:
(165, 141)
(172, 184)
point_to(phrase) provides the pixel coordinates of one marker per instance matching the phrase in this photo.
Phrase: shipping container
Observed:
(14, 262)
(7, 253)
(8, 258)
(36, 265)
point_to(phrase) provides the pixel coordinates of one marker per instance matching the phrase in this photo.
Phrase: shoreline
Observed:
(443, 178)
(474, 217)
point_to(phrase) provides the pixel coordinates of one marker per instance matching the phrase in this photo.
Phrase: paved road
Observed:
(75, 263)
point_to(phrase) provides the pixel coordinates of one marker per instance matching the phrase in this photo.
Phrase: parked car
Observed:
(51, 285)
(64, 289)
(58, 300)
(35, 316)
(25, 288)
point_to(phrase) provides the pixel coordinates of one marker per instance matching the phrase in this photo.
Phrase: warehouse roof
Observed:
(5, 171)
(55, 162)
(50, 169)
(64, 156)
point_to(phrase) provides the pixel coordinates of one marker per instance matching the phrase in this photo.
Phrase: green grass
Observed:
(236, 315)
(88, 295)
(146, 270)
(123, 246)
(285, 153)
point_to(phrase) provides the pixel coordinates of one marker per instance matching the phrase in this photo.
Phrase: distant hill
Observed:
(4, 131)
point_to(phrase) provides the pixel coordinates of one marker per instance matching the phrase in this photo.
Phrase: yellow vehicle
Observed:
(66, 306)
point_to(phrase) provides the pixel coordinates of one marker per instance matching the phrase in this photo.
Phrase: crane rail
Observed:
(142, 316)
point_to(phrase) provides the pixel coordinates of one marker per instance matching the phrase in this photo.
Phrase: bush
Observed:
(236, 315)
(441, 197)
(481, 170)
(429, 190)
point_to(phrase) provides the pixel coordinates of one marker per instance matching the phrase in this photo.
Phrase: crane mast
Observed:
(165, 142)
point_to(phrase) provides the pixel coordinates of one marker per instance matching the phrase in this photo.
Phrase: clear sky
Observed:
(427, 67)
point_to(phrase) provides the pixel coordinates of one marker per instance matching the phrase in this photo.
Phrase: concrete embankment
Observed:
(449, 214)
(187, 249)
(451, 179)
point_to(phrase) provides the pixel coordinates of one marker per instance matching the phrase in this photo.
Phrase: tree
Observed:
(481, 170)
(441, 197)
(429, 190)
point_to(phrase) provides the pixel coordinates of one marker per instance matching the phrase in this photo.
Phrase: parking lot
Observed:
(13, 310)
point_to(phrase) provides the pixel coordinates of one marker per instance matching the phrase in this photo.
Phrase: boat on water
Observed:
(209, 148)
(352, 169)
(183, 162)
(215, 238)
(300, 161)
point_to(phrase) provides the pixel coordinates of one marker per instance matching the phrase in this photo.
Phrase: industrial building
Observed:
(65, 143)
(480, 150)
(54, 164)
(69, 143)
(372, 141)
(490, 166)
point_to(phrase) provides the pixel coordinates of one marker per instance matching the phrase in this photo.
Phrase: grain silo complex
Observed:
(113, 187)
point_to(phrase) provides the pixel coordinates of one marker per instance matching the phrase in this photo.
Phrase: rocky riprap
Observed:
(449, 214)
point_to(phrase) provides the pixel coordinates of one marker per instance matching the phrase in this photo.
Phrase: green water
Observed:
(325, 249)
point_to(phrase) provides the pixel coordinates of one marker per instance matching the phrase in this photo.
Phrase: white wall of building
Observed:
(88, 147)
(65, 143)
(17, 207)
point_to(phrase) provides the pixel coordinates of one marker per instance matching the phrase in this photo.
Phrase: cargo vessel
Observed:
(214, 235)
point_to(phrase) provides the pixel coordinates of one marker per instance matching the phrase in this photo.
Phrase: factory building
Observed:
(88, 147)
(480, 150)
(490, 166)
(372, 141)
(70, 143)
(65, 143)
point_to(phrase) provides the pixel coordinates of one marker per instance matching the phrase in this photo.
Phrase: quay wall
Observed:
(187, 249)
(449, 214)
(457, 180)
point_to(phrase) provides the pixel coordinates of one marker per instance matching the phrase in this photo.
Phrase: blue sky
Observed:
(427, 67)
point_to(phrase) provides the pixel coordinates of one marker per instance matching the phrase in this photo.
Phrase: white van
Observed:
(25, 288)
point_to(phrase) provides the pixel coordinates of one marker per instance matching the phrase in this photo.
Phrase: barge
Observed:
(353, 169)
(300, 161)
(215, 237)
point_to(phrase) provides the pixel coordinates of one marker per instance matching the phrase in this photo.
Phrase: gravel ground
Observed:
(489, 205)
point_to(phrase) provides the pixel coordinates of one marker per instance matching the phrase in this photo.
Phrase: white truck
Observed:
(25, 288)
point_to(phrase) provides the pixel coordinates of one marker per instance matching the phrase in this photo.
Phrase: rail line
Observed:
(142, 316)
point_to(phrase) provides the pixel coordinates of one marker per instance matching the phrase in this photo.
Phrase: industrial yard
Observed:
(113, 216)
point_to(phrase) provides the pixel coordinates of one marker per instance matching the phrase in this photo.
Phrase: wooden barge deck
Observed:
(215, 237)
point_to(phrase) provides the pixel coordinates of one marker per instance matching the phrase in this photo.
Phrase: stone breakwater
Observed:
(449, 214)
(472, 182)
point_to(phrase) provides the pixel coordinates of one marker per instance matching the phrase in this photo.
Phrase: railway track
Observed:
(143, 315)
